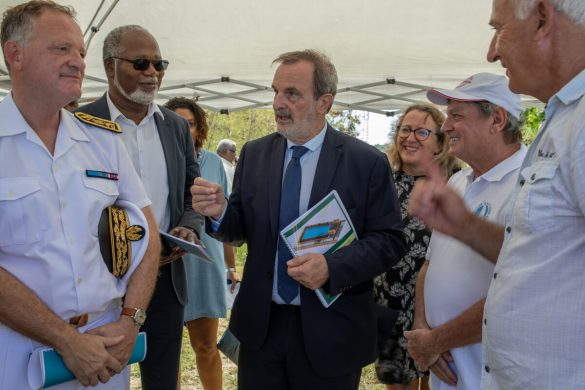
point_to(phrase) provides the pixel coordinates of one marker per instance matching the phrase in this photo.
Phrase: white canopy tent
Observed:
(387, 52)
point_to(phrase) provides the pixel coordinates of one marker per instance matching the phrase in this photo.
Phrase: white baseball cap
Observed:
(480, 87)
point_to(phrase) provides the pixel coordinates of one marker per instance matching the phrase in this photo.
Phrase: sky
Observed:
(375, 128)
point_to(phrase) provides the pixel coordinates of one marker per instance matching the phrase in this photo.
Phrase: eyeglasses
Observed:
(143, 64)
(419, 134)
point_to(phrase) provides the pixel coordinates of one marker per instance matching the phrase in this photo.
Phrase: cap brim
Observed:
(441, 97)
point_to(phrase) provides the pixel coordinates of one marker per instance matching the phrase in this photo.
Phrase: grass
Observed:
(190, 378)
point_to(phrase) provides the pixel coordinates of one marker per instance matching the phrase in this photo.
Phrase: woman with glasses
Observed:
(417, 135)
(206, 283)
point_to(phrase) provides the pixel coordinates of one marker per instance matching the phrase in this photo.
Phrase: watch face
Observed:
(140, 316)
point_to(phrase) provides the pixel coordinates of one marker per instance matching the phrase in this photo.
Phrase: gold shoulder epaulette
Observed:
(98, 122)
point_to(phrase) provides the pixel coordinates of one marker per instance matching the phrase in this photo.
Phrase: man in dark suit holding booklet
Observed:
(288, 338)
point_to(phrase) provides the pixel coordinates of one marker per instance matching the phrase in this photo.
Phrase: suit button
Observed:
(269, 275)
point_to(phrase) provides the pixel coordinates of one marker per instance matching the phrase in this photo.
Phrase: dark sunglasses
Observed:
(143, 64)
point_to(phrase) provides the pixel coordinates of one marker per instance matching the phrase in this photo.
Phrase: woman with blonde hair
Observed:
(417, 136)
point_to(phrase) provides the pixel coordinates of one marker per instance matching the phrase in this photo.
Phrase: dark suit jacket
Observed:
(181, 171)
(342, 338)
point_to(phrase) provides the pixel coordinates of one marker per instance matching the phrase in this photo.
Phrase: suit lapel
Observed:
(328, 159)
(275, 172)
(168, 150)
(101, 109)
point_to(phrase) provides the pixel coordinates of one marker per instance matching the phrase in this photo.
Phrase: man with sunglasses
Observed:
(483, 128)
(161, 149)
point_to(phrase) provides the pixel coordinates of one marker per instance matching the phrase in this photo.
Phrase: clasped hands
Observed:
(427, 355)
(100, 353)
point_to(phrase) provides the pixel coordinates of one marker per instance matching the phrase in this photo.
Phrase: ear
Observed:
(109, 67)
(544, 13)
(13, 55)
(500, 118)
(324, 102)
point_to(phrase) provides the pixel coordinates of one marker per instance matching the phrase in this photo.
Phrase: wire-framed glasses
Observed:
(419, 134)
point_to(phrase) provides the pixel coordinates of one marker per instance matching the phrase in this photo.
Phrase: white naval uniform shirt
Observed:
(49, 212)
(458, 276)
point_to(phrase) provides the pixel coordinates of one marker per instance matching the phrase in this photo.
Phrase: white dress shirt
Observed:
(145, 149)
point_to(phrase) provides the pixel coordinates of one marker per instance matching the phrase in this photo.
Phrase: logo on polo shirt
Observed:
(483, 210)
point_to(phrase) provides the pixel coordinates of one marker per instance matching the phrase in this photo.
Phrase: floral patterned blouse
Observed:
(395, 289)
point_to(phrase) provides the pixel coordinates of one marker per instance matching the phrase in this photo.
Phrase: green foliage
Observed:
(241, 127)
(532, 118)
(244, 126)
(346, 121)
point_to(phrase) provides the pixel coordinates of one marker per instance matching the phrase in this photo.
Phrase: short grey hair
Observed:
(225, 144)
(573, 9)
(512, 131)
(324, 75)
(114, 38)
(18, 21)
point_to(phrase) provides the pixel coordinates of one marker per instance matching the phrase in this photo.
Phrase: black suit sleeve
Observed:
(232, 230)
(380, 241)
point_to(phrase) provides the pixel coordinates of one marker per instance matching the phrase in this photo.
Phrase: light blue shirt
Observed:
(534, 310)
(308, 163)
(308, 166)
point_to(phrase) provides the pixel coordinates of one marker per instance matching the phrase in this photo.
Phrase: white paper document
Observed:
(195, 249)
(324, 228)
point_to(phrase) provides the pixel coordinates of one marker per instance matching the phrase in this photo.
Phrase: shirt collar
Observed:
(115, 114)
(571, 92)
(314, 143)
(12, 120)
(504, 167)
(14, 123)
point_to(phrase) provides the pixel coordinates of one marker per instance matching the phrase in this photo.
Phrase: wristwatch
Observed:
(137, 315)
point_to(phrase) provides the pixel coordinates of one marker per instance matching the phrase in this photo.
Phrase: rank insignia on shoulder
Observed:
(98, 122)
(102, 174)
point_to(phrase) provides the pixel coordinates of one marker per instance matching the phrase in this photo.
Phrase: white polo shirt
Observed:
(458, 276)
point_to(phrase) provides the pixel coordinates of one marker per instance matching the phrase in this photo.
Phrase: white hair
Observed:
(573, 9)
(225, 144)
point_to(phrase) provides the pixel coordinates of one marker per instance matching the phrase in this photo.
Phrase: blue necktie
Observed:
(289, 211)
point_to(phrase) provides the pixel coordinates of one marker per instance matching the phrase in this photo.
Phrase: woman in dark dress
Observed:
(417, 133)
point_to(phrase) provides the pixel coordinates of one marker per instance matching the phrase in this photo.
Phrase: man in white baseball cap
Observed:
(480, 87)
(483, 128)
(533, 332)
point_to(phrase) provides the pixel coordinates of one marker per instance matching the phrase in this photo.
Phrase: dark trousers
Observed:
(164, 333)
(282, 363)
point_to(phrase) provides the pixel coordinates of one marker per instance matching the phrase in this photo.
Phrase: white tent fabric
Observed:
(387, 52)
